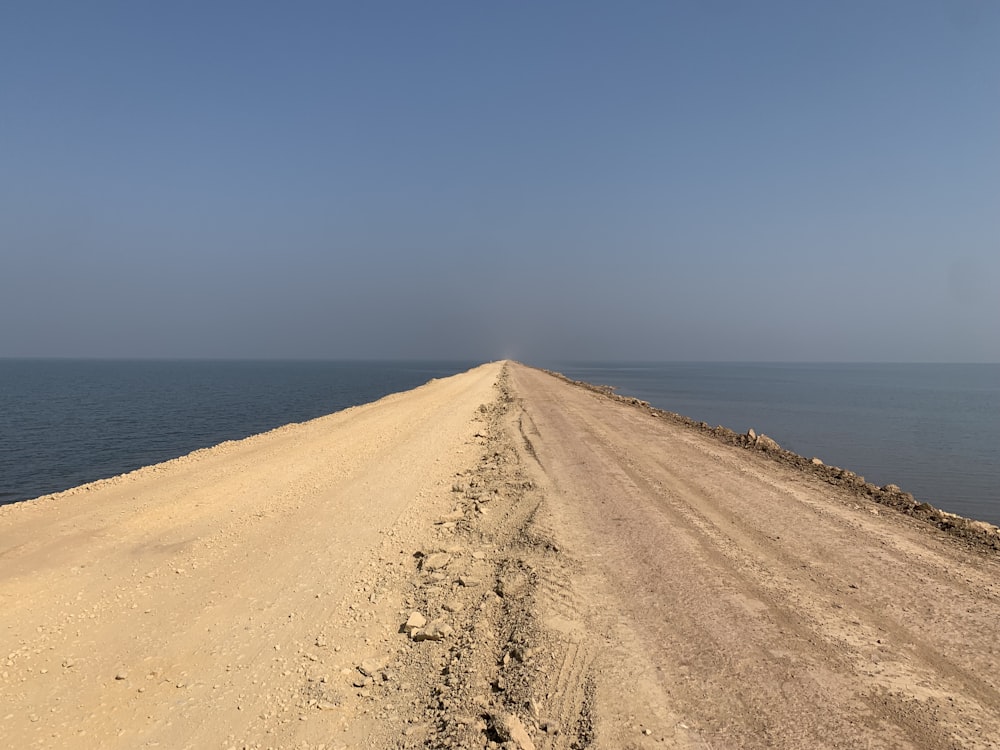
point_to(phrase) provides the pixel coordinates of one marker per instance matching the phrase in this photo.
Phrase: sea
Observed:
(67, 422)
(933, 429)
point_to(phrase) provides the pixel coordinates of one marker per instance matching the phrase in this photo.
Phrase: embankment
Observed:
(497, 559)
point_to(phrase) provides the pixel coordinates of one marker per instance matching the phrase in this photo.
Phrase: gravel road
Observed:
(496, 559)
(733, 602)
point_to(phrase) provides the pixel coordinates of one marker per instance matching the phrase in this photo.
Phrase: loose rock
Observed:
(436, 630)
(764, 443)
(510, 729)
(456, 515)
(435, 561)
(414, 622)
(549, 727)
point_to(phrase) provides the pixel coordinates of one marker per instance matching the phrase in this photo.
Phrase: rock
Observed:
(510, 729)
(893, 488)
(816, 462)
(764, 443)
(548, 726)
(371, 667)
(453, 605)
(469, 581)
(435, 561)
(751, 435)
(521, 653)
(414, 622)
(121, 676)
(512, 584)
(436, 630)
(456, 515)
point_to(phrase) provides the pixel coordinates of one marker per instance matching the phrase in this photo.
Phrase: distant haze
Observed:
(544, 181)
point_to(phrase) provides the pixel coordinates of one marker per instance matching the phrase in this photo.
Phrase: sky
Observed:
(544, 181)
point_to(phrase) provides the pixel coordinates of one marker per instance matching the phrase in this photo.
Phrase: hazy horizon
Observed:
(776, 182)
(536, 362)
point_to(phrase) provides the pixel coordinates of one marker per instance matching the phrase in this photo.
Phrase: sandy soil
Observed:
(494, 559)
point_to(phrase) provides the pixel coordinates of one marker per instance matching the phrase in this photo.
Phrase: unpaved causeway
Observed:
(495, 559)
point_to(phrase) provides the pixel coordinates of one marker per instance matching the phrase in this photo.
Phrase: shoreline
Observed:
(203, 451)
(978, 534)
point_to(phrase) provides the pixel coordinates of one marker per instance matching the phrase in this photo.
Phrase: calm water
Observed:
(932, 429)
(65, 422)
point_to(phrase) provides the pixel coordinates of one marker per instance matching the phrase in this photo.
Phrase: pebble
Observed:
(368, 668)
(414, 622)
(455, 515)
(510, 729)
(435, 561)
(437, 630)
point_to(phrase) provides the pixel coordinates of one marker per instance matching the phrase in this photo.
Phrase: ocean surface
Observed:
(932, 429)
(67, 422)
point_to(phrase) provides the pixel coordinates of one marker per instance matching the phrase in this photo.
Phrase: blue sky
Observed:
(704, 180)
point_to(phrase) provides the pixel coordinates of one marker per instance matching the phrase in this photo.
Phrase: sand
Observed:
(496, 557)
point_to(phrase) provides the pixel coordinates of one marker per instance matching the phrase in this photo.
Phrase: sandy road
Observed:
(208, 601)
(731, 602)
(591, 576)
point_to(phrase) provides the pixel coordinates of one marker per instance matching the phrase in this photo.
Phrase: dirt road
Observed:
(497, 557)
(730, 602)
(226, 598)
